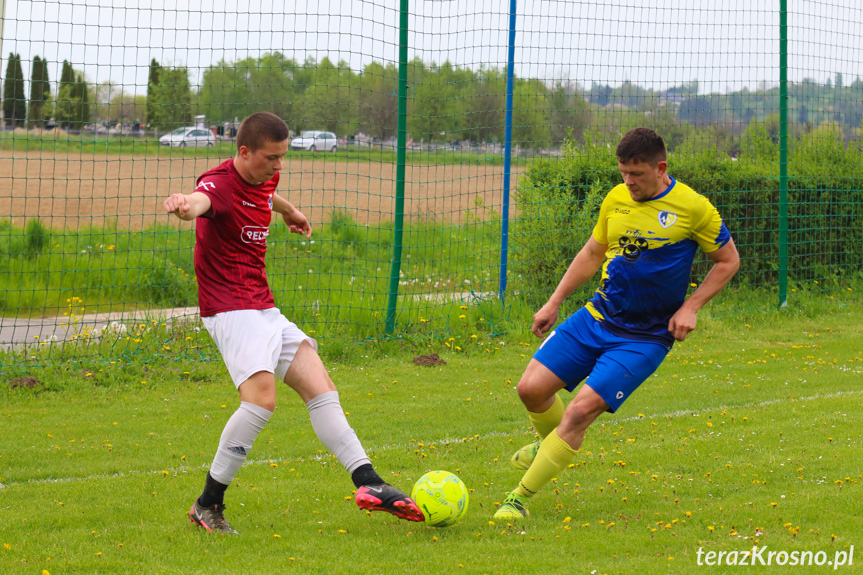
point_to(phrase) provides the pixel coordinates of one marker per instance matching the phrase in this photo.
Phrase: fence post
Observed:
(400, 171)
(783, 153)
(507, 153)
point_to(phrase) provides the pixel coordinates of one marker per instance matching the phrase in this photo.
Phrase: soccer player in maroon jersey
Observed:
(232, 205)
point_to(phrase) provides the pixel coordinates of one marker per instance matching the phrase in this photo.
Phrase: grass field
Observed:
(749, 434)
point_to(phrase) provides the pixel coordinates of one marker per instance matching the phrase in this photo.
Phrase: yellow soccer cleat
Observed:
(522, 458)
(514, 507)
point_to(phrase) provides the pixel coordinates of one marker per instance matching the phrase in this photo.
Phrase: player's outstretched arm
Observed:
(726, 262)
(187, 207)
(582, 268)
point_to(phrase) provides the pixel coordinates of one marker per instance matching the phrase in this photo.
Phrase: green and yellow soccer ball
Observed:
(442, 497)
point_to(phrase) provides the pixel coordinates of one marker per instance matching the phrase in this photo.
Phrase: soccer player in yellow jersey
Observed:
(645, 239)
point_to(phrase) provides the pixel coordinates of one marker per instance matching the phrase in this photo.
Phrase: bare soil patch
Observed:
(80, 190)
(429, 360)
(24, 383)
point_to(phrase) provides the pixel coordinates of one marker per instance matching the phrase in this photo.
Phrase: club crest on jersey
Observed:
(270, 201)
(255, 235)
(667, 219)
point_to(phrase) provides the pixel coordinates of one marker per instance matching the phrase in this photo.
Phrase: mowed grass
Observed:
(749, 434)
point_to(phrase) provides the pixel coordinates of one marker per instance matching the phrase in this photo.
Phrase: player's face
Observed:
(643, 180)
(262, 164)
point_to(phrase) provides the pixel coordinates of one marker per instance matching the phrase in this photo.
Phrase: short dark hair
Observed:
(259, 129)
(643, 145)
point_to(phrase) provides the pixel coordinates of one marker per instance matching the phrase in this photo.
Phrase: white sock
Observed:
(332, 428)
(236, 442)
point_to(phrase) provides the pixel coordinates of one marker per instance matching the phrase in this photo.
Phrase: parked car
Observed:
(315, 141)
(190, 137)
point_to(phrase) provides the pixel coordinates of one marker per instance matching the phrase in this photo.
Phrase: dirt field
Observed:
(81, 190)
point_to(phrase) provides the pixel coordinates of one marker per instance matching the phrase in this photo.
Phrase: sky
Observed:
(725, 44)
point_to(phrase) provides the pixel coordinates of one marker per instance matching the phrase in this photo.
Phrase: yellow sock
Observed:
(545, 422)
(553, 456)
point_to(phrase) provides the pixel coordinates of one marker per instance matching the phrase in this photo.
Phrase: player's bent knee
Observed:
(526, 394)
(535, 395)
(538, 384)
(260, 390)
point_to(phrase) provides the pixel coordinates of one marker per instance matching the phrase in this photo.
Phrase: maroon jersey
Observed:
(231, 242)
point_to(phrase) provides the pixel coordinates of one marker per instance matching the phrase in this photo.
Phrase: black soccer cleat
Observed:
(385, 497)
(210, 518)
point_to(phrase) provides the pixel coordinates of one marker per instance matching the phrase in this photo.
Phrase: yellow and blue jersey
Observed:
(651, 247)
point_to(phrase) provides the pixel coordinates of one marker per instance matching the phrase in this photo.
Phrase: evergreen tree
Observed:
(75, 96)
(63, 112)
(40, 94)
(14, 100)
(73, 99)
(152, 82)
(82, 102)
(20, 111)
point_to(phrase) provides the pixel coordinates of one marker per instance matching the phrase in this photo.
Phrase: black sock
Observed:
(214, 493)
(366, 475)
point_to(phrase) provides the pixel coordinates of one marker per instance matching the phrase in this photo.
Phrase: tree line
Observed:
(445, 103)
(70, 108)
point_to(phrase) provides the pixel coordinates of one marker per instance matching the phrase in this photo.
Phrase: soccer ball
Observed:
(442, 497)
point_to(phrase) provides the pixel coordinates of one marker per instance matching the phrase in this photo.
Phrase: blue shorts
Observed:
(580, 348)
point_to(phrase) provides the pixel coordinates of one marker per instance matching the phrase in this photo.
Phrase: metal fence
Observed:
(460, 126)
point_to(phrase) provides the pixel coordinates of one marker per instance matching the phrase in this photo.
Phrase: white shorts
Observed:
(255, 340)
